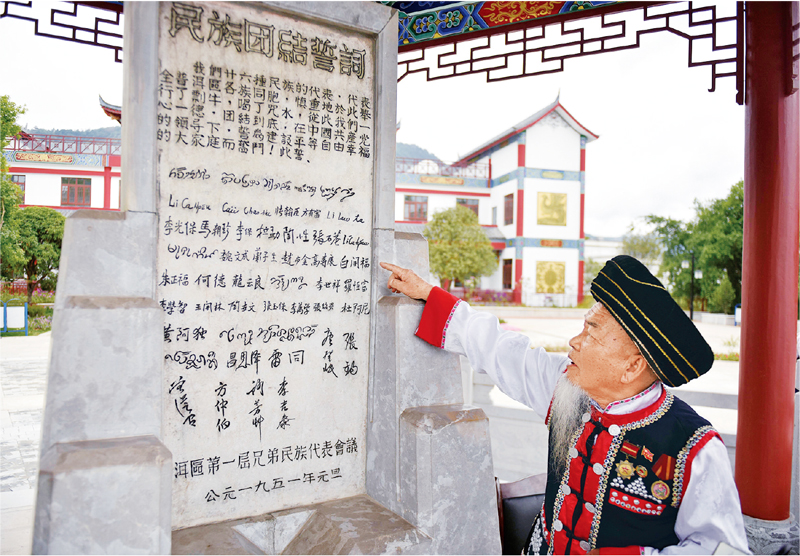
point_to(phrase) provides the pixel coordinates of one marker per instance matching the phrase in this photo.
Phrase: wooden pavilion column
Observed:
(770, 266)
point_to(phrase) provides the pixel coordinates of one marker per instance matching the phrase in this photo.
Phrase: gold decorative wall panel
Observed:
(550, 277)
(552, 209)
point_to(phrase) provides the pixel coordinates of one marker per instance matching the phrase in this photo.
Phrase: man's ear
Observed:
(635, 370)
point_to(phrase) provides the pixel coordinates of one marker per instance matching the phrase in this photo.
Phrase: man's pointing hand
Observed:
(407, 282)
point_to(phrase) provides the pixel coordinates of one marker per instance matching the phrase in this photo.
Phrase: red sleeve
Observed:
(632, 549)
(436, 316)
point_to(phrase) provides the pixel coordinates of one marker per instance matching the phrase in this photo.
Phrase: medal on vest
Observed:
(625, 469)
(664, 468)
(660, 490)
(630, 449)
(641, 471)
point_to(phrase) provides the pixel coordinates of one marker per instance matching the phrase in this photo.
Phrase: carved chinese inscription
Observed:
(265, 137)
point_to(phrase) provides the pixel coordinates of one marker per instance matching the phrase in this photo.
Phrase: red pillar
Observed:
(769, 273)
(581, 235)
(106, 183)
(520, 221)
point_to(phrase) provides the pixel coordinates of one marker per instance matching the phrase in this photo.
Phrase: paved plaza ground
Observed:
(23, 378)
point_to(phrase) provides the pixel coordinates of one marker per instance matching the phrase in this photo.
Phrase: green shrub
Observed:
(39, 311)
(721, 301)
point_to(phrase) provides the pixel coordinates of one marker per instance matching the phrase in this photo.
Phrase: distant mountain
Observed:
(114, 132)
(405, 150)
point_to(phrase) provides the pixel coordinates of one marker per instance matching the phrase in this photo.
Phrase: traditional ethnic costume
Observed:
(645, 475)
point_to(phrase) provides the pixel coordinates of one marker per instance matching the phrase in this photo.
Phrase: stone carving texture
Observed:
(265, 135)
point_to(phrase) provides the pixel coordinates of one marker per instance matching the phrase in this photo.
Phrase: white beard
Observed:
(570, 402)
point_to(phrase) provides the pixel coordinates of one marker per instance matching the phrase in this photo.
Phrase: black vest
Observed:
(623, 480)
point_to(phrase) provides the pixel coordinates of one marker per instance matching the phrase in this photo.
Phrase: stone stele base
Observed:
(356, 525)
(768, 537)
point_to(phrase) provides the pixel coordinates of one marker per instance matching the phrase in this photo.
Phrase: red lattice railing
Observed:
(66, 144)
(431, 167)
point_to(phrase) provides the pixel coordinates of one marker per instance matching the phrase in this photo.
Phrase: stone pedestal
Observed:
(447, 478)
(355, 525)
(429, 456)
(104, 497)
(767, 537)
(104, 476)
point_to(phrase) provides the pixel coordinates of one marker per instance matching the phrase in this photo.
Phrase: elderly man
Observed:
(632, 469)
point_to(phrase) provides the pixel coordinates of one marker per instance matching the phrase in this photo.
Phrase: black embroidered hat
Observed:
(665, 336)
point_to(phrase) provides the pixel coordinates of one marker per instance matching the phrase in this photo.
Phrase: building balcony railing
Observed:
(431, 167)
(66, 144)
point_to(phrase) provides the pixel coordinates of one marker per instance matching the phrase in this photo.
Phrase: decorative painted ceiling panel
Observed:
(424, 21)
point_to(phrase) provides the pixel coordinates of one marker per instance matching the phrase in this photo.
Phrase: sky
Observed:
(664, 139)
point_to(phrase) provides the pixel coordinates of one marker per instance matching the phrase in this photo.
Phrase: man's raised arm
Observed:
(526, 375)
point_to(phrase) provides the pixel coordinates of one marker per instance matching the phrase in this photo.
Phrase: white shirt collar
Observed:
(641, 400)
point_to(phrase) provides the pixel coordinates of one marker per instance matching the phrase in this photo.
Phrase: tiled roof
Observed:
(525, 124)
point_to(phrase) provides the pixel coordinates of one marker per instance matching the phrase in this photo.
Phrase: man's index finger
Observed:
(391, 267)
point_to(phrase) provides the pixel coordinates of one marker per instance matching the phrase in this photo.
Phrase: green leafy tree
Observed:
(10, 193)
(40, 231)
(10, 251)
(719, 238)
(644, 247)
(459, 248)
(674, 236)
(715, 237)
(8, 119)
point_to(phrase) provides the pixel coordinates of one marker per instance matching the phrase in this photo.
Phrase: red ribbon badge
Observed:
(665, 468)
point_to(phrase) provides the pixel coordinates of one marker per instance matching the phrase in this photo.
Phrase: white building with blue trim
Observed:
(527, 187)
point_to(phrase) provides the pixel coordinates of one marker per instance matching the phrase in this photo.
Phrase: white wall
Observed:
(43, 189)
(115, 191)
(554, 147)
(504, 160)
(601, 250)
(438, 203)
(495, 281)
(534, 254)
(498, 200)
(98, 191)
(443, 201)
(573, 191)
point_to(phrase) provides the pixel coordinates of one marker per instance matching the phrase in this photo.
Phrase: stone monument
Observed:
(229, 372)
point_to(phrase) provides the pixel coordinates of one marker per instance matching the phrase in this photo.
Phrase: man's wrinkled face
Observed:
(600, 354)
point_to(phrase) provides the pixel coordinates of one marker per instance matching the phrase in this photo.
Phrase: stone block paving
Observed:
(23, 385)
(23, 381)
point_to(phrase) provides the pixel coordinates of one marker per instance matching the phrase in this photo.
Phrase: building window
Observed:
(509, 202)
(76, 191)
(416, 208)
(494, 216)
(471, 204)
(508, 276)
(19, 179)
